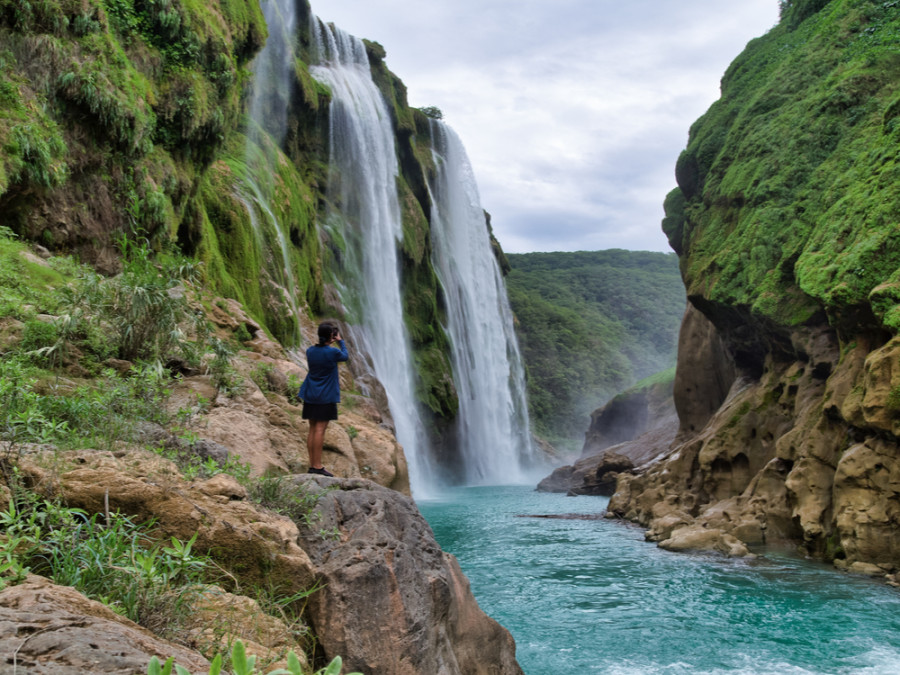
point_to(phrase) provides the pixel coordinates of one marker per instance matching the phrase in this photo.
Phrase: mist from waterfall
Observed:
(493, 427)
(365, 226)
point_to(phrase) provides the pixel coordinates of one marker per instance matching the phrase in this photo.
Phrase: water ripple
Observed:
(591, 596)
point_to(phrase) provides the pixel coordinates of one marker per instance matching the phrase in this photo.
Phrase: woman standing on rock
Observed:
(321, 391)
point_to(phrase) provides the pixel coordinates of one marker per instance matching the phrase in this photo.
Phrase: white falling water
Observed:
(363, 186)
(273, 70)
(493, 426)
(272, 80)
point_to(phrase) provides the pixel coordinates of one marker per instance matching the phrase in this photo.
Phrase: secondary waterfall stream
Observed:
(493, 429)
(272, 73)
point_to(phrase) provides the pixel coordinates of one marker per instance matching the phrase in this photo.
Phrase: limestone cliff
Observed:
(786, 221)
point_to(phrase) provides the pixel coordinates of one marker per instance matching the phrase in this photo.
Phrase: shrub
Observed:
(39, 335)
(98, 415)
(433, 112)
(144, 305)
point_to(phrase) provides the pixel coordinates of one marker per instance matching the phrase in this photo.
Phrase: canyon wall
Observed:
(786, 221)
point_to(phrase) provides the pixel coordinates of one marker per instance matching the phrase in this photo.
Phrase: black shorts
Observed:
(320, 411)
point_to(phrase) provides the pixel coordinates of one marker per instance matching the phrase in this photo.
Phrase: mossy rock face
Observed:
(111, 111)
(423, 301)
(789, 199)
(251, 258)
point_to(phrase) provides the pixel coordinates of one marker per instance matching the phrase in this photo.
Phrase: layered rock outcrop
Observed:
(786, 221)
(388, 600)
(632, 430)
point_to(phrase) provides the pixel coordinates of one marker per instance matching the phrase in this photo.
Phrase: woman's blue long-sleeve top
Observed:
(322, 384)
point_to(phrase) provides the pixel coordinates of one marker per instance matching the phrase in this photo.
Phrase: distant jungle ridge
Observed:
(590, 324)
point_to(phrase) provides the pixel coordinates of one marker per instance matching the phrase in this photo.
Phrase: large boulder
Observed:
(262, 545)
(595, 475)
(704, 374)
(393, 603)
(47, 629)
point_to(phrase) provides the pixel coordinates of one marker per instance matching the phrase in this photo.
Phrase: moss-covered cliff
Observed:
(111, 111)
(787, 205)
(127, 118)
(787, 224)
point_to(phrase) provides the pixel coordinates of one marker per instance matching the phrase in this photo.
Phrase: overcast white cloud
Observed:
(573, 112)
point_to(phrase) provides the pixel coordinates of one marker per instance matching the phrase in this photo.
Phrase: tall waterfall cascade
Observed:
(363, 185)
(364, 224)
(493, 427)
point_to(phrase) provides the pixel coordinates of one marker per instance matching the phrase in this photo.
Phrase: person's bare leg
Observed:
(314, 442)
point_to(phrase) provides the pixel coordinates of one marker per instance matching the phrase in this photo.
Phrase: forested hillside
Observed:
(590, 324)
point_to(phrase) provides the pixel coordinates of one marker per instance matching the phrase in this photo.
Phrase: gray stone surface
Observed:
(47, 629)
(392, 602)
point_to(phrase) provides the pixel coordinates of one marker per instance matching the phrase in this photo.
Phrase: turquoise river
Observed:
(591, 596)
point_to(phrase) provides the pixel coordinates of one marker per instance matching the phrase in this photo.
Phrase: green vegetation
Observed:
(789, 188)
(110, 559)
(591, 324)
(432, 111)
(61, 328)
(244, 664)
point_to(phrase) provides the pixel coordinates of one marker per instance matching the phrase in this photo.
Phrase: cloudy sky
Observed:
(573, 112)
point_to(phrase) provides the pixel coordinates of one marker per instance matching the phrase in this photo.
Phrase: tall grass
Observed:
(146, 305)
(108, 558)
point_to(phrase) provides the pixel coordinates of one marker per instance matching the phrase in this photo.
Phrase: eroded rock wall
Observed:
(805, 451)
(785, 220)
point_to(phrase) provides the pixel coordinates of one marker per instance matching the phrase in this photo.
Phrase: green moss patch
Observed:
(789, 185)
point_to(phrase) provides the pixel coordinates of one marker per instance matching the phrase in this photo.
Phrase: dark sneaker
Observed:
(320, 472)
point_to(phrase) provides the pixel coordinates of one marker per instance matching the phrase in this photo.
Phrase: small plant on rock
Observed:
(244, 664)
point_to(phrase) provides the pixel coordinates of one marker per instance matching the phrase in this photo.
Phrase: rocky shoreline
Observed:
(802, 455)
(381, 592)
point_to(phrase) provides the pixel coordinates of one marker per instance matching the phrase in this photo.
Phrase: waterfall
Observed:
(272, 80)
(273, 71)
(365, 226)
(493, 427)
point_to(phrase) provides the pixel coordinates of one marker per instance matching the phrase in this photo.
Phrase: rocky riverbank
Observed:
(369, 581)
